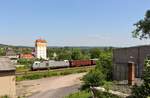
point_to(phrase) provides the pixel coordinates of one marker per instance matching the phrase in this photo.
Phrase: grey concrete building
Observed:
(7, 78)
(121, 57)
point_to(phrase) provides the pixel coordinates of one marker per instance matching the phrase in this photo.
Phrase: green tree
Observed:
(76, 54)
(101, 73)
(64, 55)
(25, 62)
(2, 52)
(95, 52)
(50, 53)
(143, 27)
(105, 64)
(143, 91)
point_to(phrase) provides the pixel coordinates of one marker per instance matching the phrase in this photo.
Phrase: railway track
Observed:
(42, 71)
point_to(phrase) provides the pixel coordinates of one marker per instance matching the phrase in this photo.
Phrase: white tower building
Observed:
(41, 49)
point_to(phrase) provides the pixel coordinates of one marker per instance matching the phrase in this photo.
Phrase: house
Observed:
(121, 57)
(7, 78)
(12, 55)
(26, 56)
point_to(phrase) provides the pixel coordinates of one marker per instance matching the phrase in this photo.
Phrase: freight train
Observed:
(37, 65)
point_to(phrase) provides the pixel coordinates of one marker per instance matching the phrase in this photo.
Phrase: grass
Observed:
(4, 96)
(86, 94)
(81, 94)
(49, 73)
(22, 68)
(105, 95)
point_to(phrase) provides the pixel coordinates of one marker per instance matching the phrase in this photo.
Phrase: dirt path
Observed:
(55, 87)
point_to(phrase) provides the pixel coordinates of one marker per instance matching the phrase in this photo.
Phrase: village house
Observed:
(26, 56)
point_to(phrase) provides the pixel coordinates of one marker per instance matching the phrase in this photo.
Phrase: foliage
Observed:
(95, 53)
(105, 64)
(19, 50)
(82, 94)
(64, 56)
(101, 73)
(143, 27)
(143, 91)
(2, 52)
(76, 54)
(26, 62)
(107, 85)
(94, 78)
(68, 53)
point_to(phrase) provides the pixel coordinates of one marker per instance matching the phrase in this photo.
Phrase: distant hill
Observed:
(3, 45)
(81, 47)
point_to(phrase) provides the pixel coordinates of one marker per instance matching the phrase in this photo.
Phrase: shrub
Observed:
(93, 78)
(25, 62)
(143, 91)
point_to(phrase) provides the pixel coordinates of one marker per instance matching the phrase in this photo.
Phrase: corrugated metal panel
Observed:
(6, 64)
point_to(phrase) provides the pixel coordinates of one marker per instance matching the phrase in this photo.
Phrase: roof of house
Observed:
(6, 64)
(10, 52)
(41, 41)
(138, 46)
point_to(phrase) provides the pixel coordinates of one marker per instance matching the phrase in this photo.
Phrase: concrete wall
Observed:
(7, 84)
(41, 50)
(122, 56)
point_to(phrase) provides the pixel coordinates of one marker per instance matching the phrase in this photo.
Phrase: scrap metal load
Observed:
(37, 65)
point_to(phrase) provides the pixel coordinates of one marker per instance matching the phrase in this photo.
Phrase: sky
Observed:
(71, 22)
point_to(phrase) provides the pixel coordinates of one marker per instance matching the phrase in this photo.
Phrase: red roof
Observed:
(41, 41)
(26, 56)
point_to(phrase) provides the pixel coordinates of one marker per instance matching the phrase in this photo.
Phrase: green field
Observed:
(31, 75)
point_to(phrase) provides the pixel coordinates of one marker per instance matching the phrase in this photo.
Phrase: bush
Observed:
(25, 62)
(93, 78)
(143, 91)
(101, 73)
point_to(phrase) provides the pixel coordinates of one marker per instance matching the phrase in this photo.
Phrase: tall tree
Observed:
(95, 53)
(143, 27)
(76, 54)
